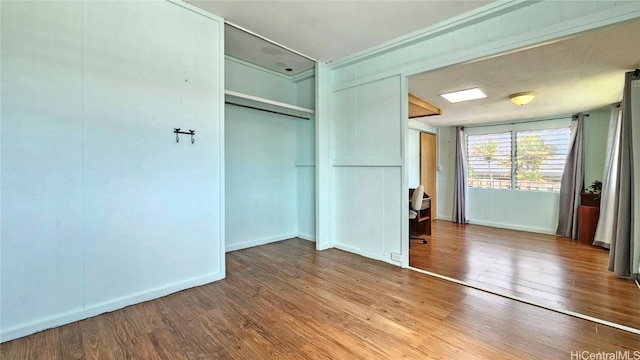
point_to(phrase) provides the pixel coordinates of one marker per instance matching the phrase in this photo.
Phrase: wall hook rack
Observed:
(190, 132)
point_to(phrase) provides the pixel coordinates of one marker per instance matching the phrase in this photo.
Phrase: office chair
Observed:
(416, 202)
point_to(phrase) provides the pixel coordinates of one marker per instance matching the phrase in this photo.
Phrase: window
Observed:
(489, 157)
(539, 159)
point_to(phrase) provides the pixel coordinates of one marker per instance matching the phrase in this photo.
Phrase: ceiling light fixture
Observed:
(464, 95)
(522, 98)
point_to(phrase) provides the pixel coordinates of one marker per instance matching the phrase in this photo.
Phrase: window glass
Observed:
(489, 157)
(539, 159)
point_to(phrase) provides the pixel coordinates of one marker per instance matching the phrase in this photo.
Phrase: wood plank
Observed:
(286, 300)
(420, 108)
(549, 270)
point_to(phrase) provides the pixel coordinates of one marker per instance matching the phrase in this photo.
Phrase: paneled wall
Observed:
(367, 172)
(101, 207)
(306, 162)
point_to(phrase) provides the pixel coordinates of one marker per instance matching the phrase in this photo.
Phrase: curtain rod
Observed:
(521, 122)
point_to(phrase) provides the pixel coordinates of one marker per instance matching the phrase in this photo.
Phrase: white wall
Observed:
(101, 207)
(413, 139)
(534, 211)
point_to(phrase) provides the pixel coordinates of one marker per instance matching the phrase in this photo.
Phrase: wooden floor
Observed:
(549, 270)
(287, 301)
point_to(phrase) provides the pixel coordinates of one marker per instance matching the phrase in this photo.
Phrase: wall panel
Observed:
(151, 202)
(414, 158)
(261, 177)
(251, 80)
(101, 207)
(306, 162)
(42, 258)
(534, 211)
(367, 169)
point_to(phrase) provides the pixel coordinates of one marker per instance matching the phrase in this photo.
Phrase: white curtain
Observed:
(610, 186)
(460, 211)
(572, 181)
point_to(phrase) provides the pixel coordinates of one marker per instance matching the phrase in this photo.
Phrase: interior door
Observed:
(428, 168)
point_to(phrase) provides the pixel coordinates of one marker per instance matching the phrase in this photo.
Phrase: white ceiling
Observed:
(253, 49)
(329, 30)
(581, 73)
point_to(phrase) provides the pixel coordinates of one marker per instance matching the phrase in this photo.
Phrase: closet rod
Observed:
(269, 111)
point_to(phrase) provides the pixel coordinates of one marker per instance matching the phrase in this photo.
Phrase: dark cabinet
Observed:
(588, 217)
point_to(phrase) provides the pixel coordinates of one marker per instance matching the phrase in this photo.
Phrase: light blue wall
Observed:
(367, 169)
(101, 208)
(42, 241)
(261, 184)
(270, 173)
(253, 80)
(596, 127)
(305, 163)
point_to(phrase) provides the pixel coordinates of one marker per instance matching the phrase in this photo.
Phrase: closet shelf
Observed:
(258, 103)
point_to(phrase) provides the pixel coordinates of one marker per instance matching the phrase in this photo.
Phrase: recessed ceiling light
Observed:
(464, 95)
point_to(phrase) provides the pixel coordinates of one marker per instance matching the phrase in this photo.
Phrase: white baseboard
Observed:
(97, 309)
(514, 227)
(307, 237)
(441, 217)
(258, 242)
(367, 254)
